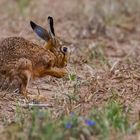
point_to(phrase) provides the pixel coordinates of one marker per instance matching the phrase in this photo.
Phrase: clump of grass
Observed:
(112, 119)
(40, 124)
(97, 56)
(72, 77)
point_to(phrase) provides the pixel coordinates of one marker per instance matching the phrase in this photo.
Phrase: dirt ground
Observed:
(104, 58)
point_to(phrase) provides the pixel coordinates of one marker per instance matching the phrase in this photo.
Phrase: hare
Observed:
(23, 60)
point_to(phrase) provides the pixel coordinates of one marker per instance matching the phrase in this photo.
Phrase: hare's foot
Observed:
(23, 87)
(57, 72)
(37, 98)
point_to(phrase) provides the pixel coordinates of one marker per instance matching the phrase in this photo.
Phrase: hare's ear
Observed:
(41, 32)
(50, 25)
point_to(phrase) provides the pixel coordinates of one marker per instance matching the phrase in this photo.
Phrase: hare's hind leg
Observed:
(24, 68)
(25, 77)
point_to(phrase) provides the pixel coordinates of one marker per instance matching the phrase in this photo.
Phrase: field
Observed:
(100, 97)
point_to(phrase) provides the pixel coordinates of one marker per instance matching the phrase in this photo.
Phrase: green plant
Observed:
(112, 118)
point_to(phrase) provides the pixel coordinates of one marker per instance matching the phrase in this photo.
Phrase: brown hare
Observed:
(23, 60)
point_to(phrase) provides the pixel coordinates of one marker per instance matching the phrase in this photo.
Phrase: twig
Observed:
(38, 91)
(35, 105)
(114, 65)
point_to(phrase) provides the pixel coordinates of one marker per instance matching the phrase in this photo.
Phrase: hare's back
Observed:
(13, 48)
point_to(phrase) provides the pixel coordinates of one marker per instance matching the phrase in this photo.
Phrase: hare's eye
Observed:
(64, 49)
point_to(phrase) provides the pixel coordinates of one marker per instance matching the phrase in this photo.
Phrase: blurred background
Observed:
(72, 17)
(102, 32)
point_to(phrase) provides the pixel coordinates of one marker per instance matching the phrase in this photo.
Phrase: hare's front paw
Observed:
(57, 72)
(62, 73)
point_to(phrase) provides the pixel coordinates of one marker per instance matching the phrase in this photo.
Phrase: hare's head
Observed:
(53, 43)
